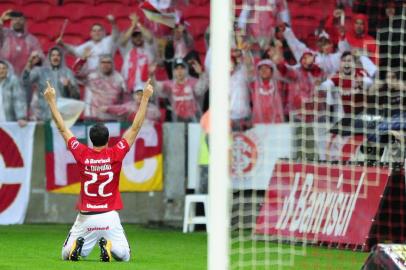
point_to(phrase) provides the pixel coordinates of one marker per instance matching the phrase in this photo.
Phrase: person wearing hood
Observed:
(138, 52)
(16, 44)
(103, 88)
(12, 97)
(99, 44)
(54, 71)
(36, 59)
(184, 92)
(267, 105)
(360, 40)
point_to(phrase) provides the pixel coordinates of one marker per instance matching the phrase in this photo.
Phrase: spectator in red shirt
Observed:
(184, 93)
(303, 100)
(267, 105)
(359, 38)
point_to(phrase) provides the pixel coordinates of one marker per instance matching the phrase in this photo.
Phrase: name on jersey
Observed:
(100, 206)
(93, 168)
(105, 167)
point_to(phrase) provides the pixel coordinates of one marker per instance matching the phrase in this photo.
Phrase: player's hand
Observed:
(49, 93)
(148, 89)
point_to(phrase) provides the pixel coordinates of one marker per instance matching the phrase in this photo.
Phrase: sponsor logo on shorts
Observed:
(98, 229)
(101, 206)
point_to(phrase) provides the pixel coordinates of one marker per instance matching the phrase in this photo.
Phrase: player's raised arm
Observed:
(50, 97)
(132, 131)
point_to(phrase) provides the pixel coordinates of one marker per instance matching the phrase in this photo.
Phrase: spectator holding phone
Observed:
(16, 44)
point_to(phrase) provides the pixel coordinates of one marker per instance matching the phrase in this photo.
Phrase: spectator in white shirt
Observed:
(138, 51)
(99, 44)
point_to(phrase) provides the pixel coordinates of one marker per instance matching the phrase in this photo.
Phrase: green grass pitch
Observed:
(31, 247)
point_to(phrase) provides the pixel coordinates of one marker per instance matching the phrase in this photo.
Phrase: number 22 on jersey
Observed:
(95, 177)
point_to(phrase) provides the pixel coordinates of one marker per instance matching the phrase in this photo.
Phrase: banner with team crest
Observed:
(142, 167)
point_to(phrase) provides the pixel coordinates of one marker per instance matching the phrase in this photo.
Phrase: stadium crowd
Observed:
(327, 66)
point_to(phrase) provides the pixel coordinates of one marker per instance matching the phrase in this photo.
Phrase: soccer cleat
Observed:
(105, 250)
(74, 254)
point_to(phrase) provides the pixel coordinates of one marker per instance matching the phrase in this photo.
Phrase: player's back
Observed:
(99, 175)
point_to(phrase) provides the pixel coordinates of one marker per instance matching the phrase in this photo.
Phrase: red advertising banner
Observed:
(322, 202)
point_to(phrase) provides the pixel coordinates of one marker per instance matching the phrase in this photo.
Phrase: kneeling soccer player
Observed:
(99, 168)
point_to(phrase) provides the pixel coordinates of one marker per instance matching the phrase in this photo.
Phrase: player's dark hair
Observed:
(99, 135)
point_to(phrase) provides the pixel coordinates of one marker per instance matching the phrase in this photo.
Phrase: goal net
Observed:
(317, 128)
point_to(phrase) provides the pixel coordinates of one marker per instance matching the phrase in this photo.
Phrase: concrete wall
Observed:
(139, 207)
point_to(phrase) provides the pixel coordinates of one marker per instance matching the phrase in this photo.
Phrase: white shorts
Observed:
(92, 228)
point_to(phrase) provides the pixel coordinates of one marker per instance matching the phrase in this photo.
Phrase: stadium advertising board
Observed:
(16, 149)
(142, 166)
(321, 202)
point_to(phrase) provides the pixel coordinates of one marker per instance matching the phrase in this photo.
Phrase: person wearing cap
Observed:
(128, 110)
(12, 97)
(180, 45)
(99, 43)
(16, 43)
(184, 92)
(138, 52)
(267, 104)
(103, 87)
